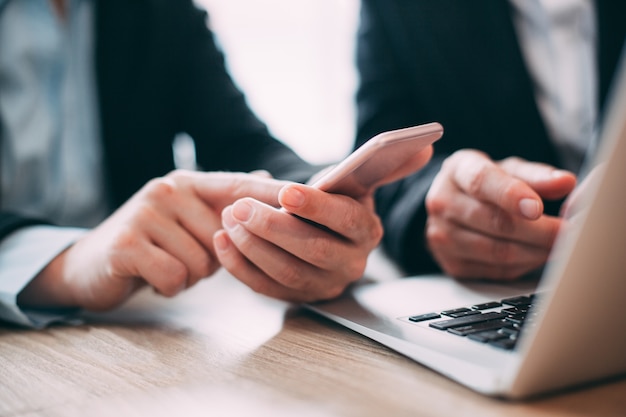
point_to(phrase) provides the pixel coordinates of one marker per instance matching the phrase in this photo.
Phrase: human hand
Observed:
(162, 237)
(485, 218)
(279, 255)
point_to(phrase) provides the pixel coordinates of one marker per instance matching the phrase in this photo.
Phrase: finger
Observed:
(295, 254)
(282, 267)
(481, 178)
(484, 218)
(248, 273)
(453, 242)
(200, 221)
(233, 186)
(159, 269)
(234, 262)
(548, 181)
(173, 196)
(262, 173)
(354, 220)
(180, 244)
(286, 234)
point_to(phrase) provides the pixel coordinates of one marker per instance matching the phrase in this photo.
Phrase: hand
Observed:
(279, 255)
(485, 218)
(162, 237)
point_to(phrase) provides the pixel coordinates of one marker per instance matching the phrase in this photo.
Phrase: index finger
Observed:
(355, 220)
(548, 181)
(219, 189)
(481, 178)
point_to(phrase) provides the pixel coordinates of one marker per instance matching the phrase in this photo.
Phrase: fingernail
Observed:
(227, 218)
(261, 173)
(221, 241)
(242, 211)
(292, 197)
(530, 208)
(557, 173)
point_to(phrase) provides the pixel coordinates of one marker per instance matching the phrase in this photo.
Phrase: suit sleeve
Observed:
(385, 102)
(10, 222)
(228, 135)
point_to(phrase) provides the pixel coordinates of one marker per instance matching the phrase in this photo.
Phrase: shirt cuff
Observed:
(23, 254)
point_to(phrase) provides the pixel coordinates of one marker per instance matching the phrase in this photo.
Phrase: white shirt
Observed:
(558, 40)
(51, 156)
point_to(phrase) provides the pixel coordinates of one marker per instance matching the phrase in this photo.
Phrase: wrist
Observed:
(49, 288)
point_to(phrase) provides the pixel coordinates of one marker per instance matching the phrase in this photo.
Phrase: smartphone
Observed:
(360, 172)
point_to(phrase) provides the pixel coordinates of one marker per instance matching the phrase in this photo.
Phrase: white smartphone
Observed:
(364, 168)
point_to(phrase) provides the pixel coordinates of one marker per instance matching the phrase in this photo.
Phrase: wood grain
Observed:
(220, 349)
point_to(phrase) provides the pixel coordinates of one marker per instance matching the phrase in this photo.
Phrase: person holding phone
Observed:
(519, 86)
(92, 93)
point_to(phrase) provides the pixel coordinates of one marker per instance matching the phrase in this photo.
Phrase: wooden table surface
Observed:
(220, 349)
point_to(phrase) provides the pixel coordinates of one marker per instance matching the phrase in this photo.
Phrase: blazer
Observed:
(159, 73)
(458, 63)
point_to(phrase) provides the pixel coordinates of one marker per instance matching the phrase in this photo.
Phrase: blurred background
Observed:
(295, 62)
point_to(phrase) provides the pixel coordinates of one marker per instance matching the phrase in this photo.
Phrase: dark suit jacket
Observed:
(160, 73)
(458, 63)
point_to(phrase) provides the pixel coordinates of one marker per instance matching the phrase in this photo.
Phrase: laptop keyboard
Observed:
(497, 323)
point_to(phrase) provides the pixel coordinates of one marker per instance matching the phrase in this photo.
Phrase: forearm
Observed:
(48, 288)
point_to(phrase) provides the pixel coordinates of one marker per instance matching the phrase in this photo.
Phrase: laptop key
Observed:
(517, 301)
(486, 306)
(487, 336)
(506, 344)
(424, 317)
(463, 321)
(515, 310)
(515, 321)
(509, 332)
(455, 311)
(477, 327)
(464, 313)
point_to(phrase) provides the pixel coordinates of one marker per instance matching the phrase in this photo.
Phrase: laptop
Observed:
(527, 338)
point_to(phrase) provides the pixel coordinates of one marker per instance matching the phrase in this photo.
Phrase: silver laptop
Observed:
(522, 339)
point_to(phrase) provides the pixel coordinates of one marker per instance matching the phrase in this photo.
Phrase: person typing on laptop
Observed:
(92, 94)
(519, 86)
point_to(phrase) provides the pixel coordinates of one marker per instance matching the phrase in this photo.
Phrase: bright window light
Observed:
(295, 62)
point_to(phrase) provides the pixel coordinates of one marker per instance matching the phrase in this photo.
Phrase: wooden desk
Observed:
(220, 349)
